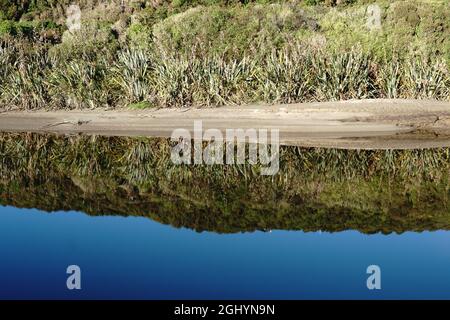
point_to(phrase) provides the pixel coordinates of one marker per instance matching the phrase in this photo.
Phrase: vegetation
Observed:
(316, 189)
(215, 52)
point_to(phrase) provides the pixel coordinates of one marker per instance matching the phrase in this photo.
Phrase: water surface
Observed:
(140, 227)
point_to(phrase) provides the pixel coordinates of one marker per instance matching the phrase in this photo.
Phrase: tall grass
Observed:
(286, 76)
(180, 81)
(130, 74)
(426, 78)
(342, 76)
(24, 70)
(78, 85)
(35, 78)
(390, 79)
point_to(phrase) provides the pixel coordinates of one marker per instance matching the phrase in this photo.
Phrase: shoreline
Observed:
(351, 124)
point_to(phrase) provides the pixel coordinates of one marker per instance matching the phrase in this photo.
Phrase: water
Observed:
(138, 258)
(146, 229)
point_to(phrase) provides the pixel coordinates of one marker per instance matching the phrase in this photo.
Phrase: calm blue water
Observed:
(139, 258)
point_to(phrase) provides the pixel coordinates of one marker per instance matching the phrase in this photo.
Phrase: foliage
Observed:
(216, 52)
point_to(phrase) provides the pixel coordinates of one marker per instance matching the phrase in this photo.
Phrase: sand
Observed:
(360, 124)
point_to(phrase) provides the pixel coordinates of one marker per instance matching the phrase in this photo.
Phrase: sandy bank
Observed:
(364, 124)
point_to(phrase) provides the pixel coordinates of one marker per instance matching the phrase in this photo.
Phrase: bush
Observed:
(139, 36)
(7, 28)
(231, 30)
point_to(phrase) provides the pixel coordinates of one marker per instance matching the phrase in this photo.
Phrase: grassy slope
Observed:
(420, 25)
(207, 52)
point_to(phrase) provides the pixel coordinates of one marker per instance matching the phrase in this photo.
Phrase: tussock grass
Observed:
(296, 73)
(130, 74)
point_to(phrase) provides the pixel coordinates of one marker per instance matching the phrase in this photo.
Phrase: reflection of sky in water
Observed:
(139, 258)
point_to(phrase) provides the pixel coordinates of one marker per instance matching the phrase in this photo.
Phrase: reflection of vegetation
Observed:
(316, 189)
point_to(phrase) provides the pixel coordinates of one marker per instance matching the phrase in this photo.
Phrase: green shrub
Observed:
(232, 30)
(13, 9)
(139, 36)
(140, 105)
(7, 27)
